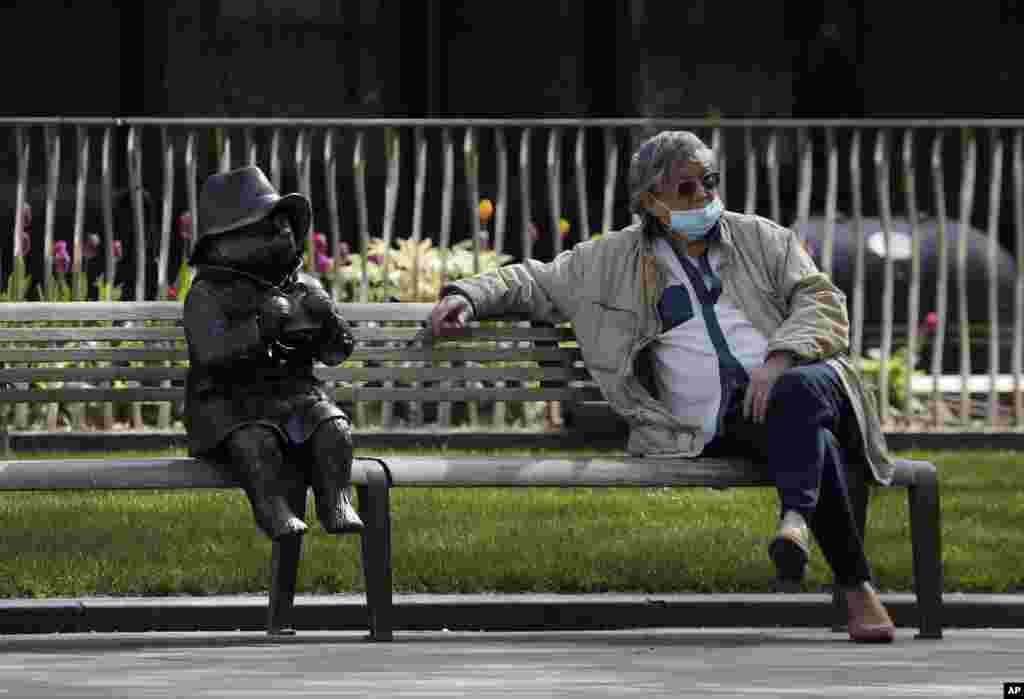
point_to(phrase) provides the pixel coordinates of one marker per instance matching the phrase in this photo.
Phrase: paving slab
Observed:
(741, 662)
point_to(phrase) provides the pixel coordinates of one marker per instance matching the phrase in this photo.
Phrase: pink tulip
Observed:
(323, 263)
(61, 257)
(26, 216)
(118, 250)
(25, 241)
(375, 259)
(320, 243)
(185, 228)
(932, 320)
(534, 231)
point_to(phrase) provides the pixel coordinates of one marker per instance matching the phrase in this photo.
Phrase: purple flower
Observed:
(320, 243)
(323, 263)
(61, 257)
(375, 259)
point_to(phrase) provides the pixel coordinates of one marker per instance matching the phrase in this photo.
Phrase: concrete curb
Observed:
(484, 612)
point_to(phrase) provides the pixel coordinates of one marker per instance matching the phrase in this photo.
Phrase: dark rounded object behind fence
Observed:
(844, 253)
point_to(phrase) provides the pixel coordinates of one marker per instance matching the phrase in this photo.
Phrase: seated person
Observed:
(713, 333)
(254, 324)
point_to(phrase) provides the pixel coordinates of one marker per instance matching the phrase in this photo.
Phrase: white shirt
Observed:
(686, 361)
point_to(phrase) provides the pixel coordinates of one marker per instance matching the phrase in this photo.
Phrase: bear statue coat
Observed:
(235, 379)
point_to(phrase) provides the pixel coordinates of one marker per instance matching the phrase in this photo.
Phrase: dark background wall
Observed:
(476, 58)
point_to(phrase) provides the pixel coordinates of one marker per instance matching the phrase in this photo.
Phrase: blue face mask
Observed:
(695, 224)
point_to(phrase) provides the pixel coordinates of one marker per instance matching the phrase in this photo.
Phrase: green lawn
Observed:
(503, 540)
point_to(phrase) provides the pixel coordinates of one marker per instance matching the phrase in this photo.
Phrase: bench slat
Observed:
(404, 374)
(136, 354)
(87, 334)
(90, 310)
(107, 354)
(125, 474)
(29, 311)
(570, 394)
(514, 471)
(344, 393)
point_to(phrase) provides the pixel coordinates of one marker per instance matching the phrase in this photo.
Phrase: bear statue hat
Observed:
(241, 197)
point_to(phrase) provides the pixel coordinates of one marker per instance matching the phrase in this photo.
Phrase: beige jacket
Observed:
(608, 288)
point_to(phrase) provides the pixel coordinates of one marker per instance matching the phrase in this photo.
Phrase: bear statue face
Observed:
(267, 249)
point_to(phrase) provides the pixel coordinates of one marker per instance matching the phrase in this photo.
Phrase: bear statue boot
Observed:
(331, 475)
(259, 465)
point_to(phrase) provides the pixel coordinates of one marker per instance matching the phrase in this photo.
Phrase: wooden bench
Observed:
(494, 365)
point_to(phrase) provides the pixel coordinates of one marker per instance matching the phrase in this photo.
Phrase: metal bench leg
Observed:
(925, 535)
(284, 572)
(859, 496)
(374, 509)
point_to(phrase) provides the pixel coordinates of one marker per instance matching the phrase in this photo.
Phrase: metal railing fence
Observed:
(788, 170)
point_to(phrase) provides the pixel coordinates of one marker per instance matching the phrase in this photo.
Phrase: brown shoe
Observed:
(869, 621)
(789, 549)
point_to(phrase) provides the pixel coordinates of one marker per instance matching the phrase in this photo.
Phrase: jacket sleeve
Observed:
(216, 339)
(816, 325)
(336, 342)
(543, 291)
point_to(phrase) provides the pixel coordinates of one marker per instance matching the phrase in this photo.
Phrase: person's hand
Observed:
(451, 312)
(274, 313)
(762, 379)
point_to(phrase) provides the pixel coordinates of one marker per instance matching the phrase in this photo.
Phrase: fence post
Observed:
(966, 209)
(581, 183)
(191, 175)
(831, 195)
(913, 303)
(52, 136)
(885, 211)
(501, 203)
(524, 193)
(994, 197)
(555, 187)
(772, 162)
(942, 284)
(333, 216)
(611, 172)
(1018, 291)
(857, 212)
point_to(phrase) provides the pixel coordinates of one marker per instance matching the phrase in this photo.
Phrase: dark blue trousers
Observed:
(808, 439)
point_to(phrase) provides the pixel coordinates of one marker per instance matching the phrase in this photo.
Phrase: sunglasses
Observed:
(709, 181)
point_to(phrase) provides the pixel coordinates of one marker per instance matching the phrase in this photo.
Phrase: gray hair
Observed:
(654, 156)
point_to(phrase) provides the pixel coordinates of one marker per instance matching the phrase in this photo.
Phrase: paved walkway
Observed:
(654, 663)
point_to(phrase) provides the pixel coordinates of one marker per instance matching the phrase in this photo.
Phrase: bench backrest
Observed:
(136, 352)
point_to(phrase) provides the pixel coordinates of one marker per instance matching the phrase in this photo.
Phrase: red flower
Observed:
(185, 228)
(932, 320)
(172, 293)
